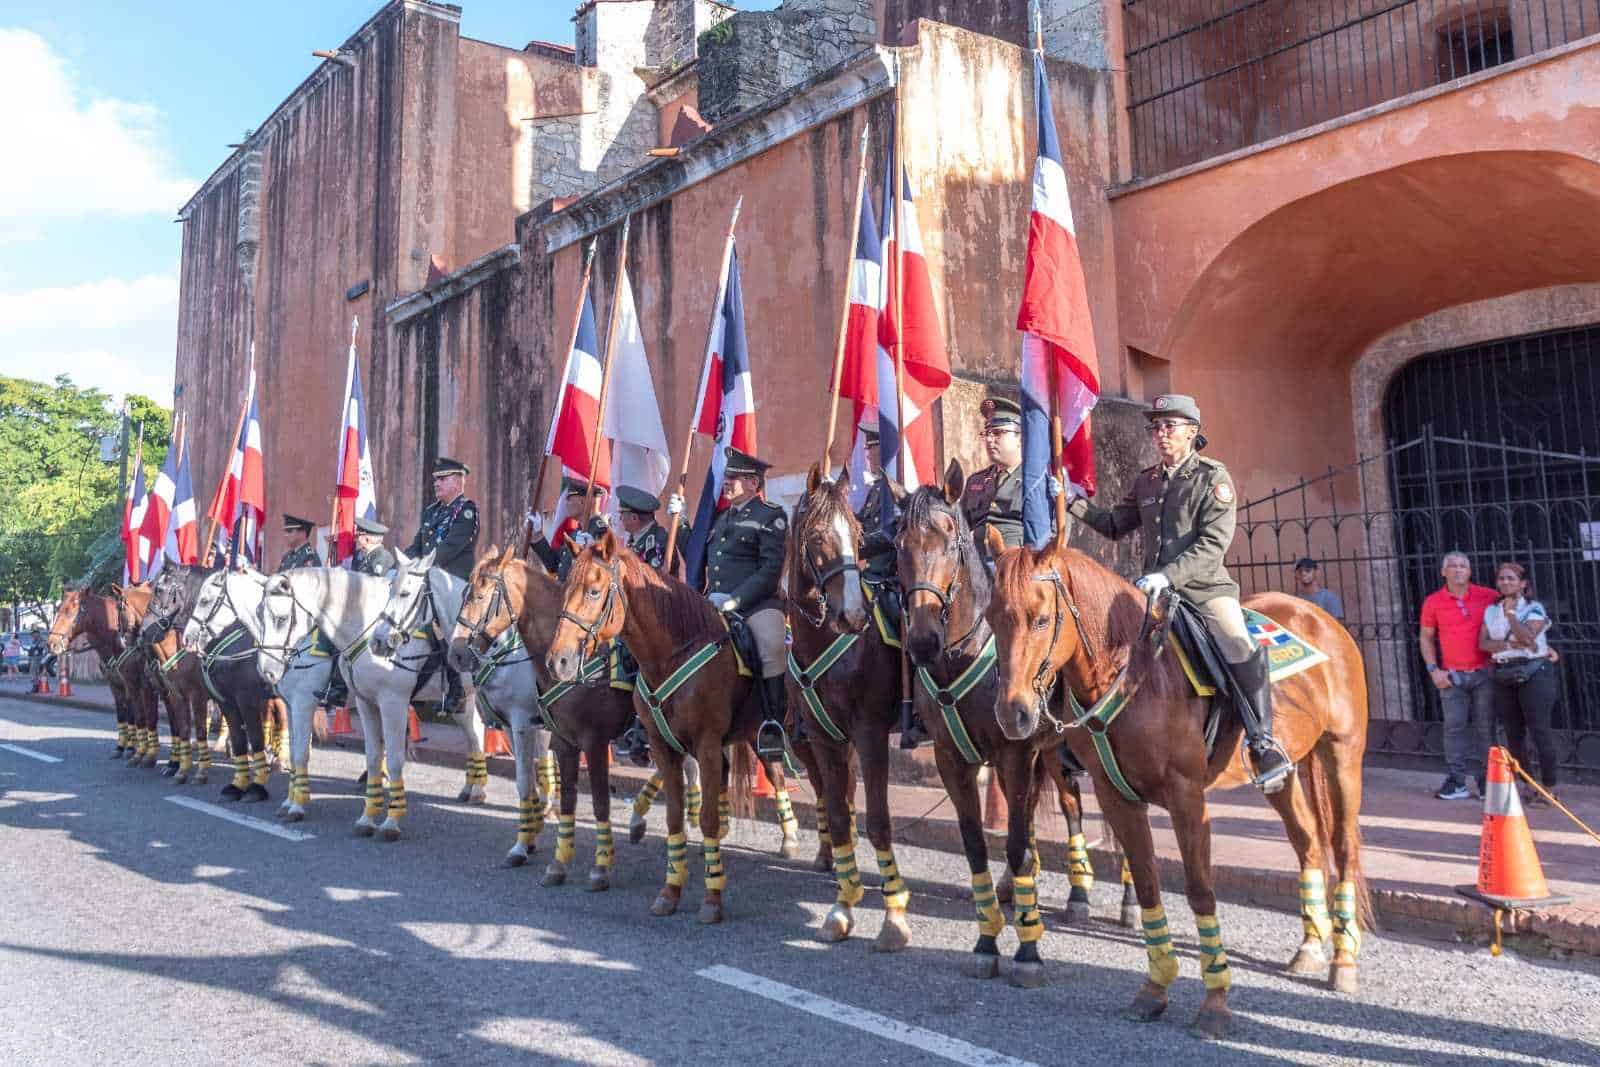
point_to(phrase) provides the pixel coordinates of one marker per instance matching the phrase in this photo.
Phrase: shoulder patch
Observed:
(780, 523)
(469, 512)
(1223, 491)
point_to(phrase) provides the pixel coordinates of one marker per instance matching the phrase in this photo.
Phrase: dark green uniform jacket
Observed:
(1187, 522)
(744, 556)
(558, 561)
(378, 563)
(451, 532)
(650, 544)
(993, 497)
(304, 556)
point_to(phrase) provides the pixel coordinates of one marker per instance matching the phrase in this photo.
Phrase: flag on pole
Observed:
(632, 424)
(576, 419)
(355, 489)
(133, 509)
(157, 514)
(241, 495)
(858, 378)
(1057, 330)
(181, 542)
(727, 411)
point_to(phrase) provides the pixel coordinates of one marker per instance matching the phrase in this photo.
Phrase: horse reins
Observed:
(958, 547)
(591, 631)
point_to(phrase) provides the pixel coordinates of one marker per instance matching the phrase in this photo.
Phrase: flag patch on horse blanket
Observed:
(1287, 652)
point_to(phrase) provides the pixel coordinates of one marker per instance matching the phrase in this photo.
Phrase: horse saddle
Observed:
(1203, 664)
(431, 664)
(744, 643)
(888, 602)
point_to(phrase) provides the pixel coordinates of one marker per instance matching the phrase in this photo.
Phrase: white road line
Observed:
(936, 1044)
(31, 754)
(248, 821)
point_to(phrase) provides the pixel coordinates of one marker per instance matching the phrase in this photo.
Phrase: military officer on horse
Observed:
(449, 529)
(301, 551)
(646, 537)
(993, 496)
(572, 536)
(371, 555)
(1185, 505)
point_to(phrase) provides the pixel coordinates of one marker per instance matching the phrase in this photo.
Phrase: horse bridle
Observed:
(959, 545)
(415, 612)
(591, 631)
(820, 579)
(284, 651)
(499, 600)
(1044, 679)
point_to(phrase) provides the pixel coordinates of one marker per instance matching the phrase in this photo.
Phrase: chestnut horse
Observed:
(103, 622)
(691, 694)
(1058, 613)
(136, 600)
(947, 590)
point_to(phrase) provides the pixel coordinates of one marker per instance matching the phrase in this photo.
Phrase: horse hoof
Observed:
(553, 876)
(836, 925)
(180, 779)
(465, 794)
(664, 905)
(169, 770)
(293, 815)
(116, 753)
(790, 849)
(255, 794)
(1077, 913)
(389, 833)
(823, 863)
(515, 858)
(1147, 1006)
(895, 934)
(1025, 974)
(200, 779)
(230, 793)
(982, 965)
(1130, 918)
(1211, 1024)
(636, 830)
(364, 829)
(599, 881)
(148, 762)
(710, 914)
(1342, 979)
(1310, 960)
(1002, 889)
(479, 799)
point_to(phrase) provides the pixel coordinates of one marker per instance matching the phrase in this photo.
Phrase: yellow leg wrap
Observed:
(1346, 933)
(715, 880)
(300, 785)
(604, 854)
(1314, 905)
(269, 734)
(260, 774)
(848, 877)
(1127, 873)
(677, 860)
(180, 752)
(1025, 905)
(1033, 849)
(122, 735)
(204, 748)
(477, 770)
(374, 805)
(895, 893)
(647, 796)
(724, 816)
(691, 805)
(566, 833)
(1079, 872)
(530, 819)
(990, 919)
(549, 774)
(1163, 966)
(241, 772)
(397, 798)
(822, 819)
(786, 819)
(1214, 970)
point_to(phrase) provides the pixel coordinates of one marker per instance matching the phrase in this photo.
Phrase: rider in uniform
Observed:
(648, 540)
(1185, 505)
(301, 552)
(993, 496)
(558, 552)
(371, 556)
(449, 529)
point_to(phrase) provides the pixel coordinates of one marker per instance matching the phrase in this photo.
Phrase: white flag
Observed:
(639, 454)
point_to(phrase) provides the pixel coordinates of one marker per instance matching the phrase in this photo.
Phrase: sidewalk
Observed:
(1417, 849)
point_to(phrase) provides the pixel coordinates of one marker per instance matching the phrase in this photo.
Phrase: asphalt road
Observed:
(133, 929)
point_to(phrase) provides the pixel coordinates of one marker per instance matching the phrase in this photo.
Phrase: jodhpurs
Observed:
(766, 626)
(1225, 619)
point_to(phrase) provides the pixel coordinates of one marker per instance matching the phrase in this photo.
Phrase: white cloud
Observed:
(115, 334)
(70, 153)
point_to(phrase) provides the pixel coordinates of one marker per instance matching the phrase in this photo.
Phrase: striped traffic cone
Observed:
(1509, 873)
(496, 743)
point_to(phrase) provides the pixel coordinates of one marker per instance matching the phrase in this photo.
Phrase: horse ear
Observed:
(995, 543)
(955, 482)
(401, 560)
(608, 546)
(509, 554)
(897, 492)
(814, 478)
(116, 589)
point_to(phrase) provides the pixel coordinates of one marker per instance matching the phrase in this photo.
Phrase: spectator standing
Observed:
(13, 655)
(1526, 683)
(1308, 586)
(1452, 619)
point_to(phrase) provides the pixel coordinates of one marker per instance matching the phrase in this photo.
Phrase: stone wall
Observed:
(755, 55)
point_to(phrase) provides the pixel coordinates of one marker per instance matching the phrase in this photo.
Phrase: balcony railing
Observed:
(1209, 76)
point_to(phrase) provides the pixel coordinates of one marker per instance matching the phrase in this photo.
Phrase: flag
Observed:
(924, 362)
(133, 509)
(1057, 332)
(241, 495)
(858, 378)
(157, 514)
(354, 488)
(632, 423)
(727, 412)
(576, 418)
(181, 542)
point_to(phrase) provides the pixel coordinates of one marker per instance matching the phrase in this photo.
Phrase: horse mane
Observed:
(817, 510)
(678, 608)
(919, 508)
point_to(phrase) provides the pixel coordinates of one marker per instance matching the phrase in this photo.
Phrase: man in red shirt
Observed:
(1452, 616)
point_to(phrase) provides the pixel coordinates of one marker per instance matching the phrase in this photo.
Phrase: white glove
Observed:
(1152, 584)
(1054, 486)
(717, 599)
(730, 605)
(675, 504)
(582, 538)
(603, 521)
(535, 523)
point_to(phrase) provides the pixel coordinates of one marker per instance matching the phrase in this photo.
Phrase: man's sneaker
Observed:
(1453, 790)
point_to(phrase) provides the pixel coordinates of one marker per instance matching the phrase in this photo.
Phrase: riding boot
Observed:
(1272, 764)
(452, 690)
(912, 732)
(769, 739)
(634, 745)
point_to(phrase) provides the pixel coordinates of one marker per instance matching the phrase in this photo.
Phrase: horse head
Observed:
(823, 553)
(593, 607)
(489, 606)
(65, 626)
(169, 591)
(409, 594)
(940, 570)
(276, 618)
(216, 604)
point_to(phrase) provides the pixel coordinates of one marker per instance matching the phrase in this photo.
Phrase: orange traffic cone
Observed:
(496, 743)
(41, 684)
(414, 725)
(341, 722)
(64, 686)
(1509, 874)
(763, 787)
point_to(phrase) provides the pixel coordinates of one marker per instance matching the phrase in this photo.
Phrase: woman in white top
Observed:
(1527, 684)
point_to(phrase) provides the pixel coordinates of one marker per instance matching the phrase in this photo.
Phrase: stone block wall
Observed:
(755, 55)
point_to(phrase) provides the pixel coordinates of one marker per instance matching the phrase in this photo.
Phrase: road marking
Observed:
(249, 821)
(31, 754)
(937, 1044)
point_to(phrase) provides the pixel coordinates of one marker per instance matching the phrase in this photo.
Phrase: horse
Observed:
(1058, 614)
(510, 609)
(693, 694)
(136, 600)
(947, 591)
(102, 621)
(178, 667)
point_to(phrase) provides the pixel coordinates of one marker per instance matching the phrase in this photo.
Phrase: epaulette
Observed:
(1213, 464)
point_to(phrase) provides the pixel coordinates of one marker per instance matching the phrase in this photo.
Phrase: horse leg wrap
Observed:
(990, 919)
(530, 819)
(300, 785)
(566, 832)
(180, 752)
(374, 805)
(715, 879)
(604, 854)
(848, 877)
(397, 798)
(1346, 934)
(122, 735)
(724, 816)
(1025, 902)
(1163, 965)
(269, 733)
(677, 860)
(647, 795)
(1314, 905)
(786, 819)
(241, 773)
(204, 746)
(1214, 970)
(822, 819)
(549, 774)
(259, 772)
(895, 893)
(691, 804)
(477, 769)
(1080, 875)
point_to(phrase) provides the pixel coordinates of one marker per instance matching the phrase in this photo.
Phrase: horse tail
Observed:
(1314, 778)
(742, 791)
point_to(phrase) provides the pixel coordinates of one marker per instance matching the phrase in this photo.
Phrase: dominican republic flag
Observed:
(727, 411)
(133, 511)
(925, 364)
(241, 497)
(355, 489)
(632, 424)
(576, 420)
(181, 541)
(157, 514)
(858, 378)
(1057, 331)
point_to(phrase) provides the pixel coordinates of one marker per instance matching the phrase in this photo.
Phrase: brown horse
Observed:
(947, 590)
(692, 695)
(103, 622)
(503, 592)
(1058, 613)
(178, 670)
(136, 601)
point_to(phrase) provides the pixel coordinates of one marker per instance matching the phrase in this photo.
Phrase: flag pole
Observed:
(844, 313)
(572, 339)
(711, 324)
(605, 371)
(238, 427)
(344, 413)
(135, 571)
(897, 179)
(1059, 504)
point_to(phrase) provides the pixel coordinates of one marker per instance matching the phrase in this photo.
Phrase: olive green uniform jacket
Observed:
(993, 497)
(304, 556)
(744, 556)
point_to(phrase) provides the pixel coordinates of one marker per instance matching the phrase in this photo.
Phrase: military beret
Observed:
(742, 463)
(445, 465)
(296, 523)
(371, 526)
(636, 500)
(1173, 405)
(1001, 411)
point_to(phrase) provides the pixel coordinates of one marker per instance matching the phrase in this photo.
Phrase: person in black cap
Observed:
(558, 552)
(449, 525)
(646, 537)
(1186, 507)
(371, 557)
(301, 552)
(993, 496)
(1308, 586)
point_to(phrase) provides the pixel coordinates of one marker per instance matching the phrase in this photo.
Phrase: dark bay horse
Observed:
(136, 601)
(1057, 612)
(504, 593)
(947, 591)
(102, 621)
(691, 694)
(178, 669)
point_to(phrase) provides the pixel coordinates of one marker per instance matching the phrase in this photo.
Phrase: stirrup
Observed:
(634, 746)
(1274, 778)
(770, 740)
(912, 732)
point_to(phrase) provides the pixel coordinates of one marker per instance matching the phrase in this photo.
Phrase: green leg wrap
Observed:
(241, 772)
(300, 785)
(1025, 903)
(677, 860)
(549, 774)
(895, 893)
(566, 845)
(1346, 933)
(990, 919)
(1079, 872)
(1314, 905)
(647, 796)
(604, 855)
(1163, 965)
(180, 752)
(1214, 970)
(715, 880)
(204, 747)
(260, 773)
(848, 877)
(122, 735)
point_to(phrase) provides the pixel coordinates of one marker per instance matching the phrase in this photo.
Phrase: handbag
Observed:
(1519, 671)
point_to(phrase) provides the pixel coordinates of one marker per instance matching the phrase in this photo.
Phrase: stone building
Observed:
(1365, 240)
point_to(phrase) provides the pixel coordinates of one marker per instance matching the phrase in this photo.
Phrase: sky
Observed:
(116, 112)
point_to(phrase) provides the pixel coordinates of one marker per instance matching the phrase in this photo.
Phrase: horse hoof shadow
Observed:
(1078, 913)
(981, 965)
(1211, 1024)
(1026, 974)
(390, 834)
(553, 876)
(364, 829)
(230, 794)
(514, 859)
(255, 794)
